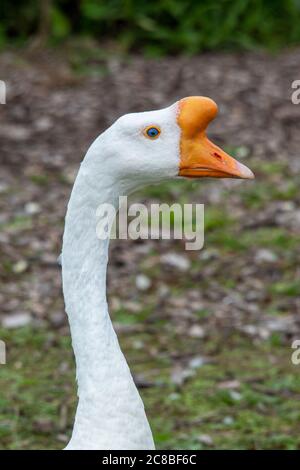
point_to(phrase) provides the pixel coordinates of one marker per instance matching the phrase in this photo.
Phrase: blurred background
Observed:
(207, 334)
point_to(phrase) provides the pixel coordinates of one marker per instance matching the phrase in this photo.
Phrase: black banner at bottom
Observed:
(136, 459)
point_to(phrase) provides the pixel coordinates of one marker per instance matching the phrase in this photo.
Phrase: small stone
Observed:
(228, 420)
(43, 425)
(3, 187)
(62, 437)
(281, 324)
(138, 344)
(265, 256)
(15, 132)
(209, 254)
(162, 290)
(43, 124)
(70, 174)
(174, 396)
(196, 331)
(196, 362)
(263, 333)
(250, 330)
(205, 439)
(115, 303)
(32, 208)
(142, 282)
(16, 320)
(179, 375)
(229, 384)
(20, 266)
(234, 395)
(132, 306)
(176, 261)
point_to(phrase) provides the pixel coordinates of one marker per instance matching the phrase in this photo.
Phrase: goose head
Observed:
(148, 147)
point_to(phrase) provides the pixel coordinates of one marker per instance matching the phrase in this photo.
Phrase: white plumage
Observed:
(110, 412)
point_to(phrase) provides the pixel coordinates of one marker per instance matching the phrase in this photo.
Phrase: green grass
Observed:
(37, 389)
(286, 288)
(160, 27)
(17, 223)
(38, 393)
(263, 237)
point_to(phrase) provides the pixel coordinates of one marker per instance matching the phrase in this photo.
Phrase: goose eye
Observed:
(152, 132)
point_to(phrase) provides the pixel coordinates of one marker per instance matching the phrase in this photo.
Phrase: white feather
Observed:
(110, 412)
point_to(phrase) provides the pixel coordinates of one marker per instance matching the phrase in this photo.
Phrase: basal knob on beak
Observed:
(199, 157)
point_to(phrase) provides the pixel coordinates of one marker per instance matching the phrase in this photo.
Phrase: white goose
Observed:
(136, 150)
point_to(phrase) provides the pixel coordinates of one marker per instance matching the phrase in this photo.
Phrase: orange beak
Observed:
(199, 157)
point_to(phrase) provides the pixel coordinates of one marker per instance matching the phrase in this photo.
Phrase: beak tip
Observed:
(245, 172)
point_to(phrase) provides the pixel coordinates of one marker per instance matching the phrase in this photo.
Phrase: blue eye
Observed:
(152, 132)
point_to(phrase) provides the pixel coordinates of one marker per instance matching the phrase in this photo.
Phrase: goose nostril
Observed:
(219, 157)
